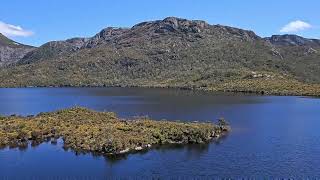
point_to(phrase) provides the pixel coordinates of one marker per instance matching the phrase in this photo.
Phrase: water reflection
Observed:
(160, 103)
(275, 137)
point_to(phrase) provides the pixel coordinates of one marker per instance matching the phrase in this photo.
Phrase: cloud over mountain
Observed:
(295, 26)
(13, 30)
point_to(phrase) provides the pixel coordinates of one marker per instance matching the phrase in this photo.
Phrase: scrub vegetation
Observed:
(174, 52)
(85, 130)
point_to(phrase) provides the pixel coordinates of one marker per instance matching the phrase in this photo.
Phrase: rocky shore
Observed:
(85, 130)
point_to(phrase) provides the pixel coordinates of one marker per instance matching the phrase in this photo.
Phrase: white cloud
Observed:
(12, 30)
(295, 26)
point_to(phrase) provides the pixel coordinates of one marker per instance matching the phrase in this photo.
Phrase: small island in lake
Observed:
(85, 130)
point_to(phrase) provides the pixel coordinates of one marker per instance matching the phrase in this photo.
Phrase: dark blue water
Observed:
(272, 137)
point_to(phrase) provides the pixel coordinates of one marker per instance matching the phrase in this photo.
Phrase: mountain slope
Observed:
(10, 51)
(173, 52)
(302, 55)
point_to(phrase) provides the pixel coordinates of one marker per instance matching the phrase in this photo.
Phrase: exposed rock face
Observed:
(173, 24)
(107, 35)
(11, 52)
(292, 40)
(53, 49)
(125, 37)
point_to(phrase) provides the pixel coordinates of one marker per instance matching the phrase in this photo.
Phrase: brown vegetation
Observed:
(84, 130)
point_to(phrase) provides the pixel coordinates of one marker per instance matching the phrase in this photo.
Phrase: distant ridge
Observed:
(292, 40)
(11, 51)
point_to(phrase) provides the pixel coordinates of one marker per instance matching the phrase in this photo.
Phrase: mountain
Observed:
(292, 40)
(124, 37)
(11, 52)
(174, 52)
(53, 49)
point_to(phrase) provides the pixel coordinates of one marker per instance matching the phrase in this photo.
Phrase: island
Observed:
(84, 130)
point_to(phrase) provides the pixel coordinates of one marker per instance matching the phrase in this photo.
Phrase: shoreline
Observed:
(199, 89)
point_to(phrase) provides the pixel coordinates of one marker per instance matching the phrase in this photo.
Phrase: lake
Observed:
(272, 136)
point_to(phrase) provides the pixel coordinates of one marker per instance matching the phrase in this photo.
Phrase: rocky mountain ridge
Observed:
(153, 29)
(147, 30)
(292, 40)
(172, 52)
(11, 51)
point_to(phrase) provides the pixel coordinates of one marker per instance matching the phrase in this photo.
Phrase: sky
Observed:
(36, 22)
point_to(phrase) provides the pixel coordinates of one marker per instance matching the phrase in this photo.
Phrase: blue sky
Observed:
(38, 21)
